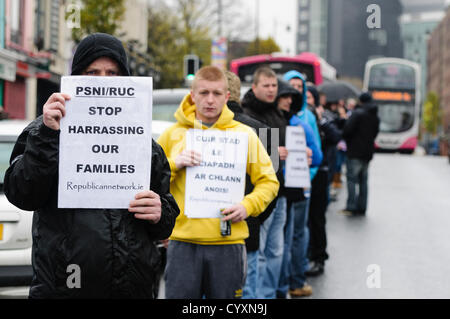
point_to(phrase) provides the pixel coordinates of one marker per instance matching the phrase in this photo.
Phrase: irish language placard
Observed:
(219, 181)
(105, 141)
(297, 169)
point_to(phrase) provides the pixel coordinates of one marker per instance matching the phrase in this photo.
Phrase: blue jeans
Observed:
(341, 157)
(270, 256)
(295, 261)
(357, 175)
(249, 291)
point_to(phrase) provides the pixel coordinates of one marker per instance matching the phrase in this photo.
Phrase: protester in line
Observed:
(113, 248)
(333, 112)
(259, 103)
(341, 155)
(296, 234)
(200, 261)
(359, 133)
(330, 135)
(298, 81)
(253, 223)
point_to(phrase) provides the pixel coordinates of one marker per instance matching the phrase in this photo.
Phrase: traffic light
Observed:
(191, 65)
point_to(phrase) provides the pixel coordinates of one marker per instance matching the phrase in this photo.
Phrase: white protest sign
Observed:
(105, 141)
(297, 169)
(219, 181)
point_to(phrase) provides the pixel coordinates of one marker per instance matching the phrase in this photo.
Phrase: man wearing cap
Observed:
(88, 253)
(359, 133)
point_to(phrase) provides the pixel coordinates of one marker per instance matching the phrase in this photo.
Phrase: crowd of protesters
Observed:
(278, 233)
(287, 239)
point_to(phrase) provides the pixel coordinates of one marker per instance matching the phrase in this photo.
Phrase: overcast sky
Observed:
(275, 18)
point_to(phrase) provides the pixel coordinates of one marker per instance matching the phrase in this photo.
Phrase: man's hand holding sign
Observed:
(146, 206)
(214, 155)
(54, 110)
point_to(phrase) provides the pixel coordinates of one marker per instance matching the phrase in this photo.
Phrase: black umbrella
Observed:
(339, 90)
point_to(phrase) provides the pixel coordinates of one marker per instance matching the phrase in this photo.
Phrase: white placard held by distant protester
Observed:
(105, 146)
(297, 169)
(219, 181)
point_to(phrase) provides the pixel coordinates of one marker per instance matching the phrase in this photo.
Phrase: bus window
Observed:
(389, 75)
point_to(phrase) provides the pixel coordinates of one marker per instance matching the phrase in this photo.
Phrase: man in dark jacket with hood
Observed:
(88, 253)
(359, 133)
(260, 103)
(296, 234)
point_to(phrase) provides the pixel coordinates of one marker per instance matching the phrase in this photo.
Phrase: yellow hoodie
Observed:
(206, 231)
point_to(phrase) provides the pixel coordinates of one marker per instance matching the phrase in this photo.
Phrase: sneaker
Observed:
(316, 269)
(305, 291)
(347, 212)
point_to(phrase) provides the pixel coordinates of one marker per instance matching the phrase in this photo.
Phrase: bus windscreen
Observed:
(396, 109)
(395, 117)
(246, 71)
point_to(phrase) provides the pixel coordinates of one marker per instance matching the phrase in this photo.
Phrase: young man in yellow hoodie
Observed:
(200, 261)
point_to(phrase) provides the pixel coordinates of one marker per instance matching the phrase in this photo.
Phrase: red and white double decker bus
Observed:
(316, 69)
(395, 87)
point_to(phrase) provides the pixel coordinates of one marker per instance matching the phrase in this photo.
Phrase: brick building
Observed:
(438, 75)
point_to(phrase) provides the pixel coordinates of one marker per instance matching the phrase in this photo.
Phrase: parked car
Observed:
(166, 102)
(15, 224)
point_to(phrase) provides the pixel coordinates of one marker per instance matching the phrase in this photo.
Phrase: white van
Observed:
(15, 224)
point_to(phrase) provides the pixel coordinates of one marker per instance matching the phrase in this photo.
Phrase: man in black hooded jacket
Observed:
(88, 253)
(359, 133)
(261, 103)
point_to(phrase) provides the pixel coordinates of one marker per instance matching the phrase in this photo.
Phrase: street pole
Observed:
(257, 26)
(219, 3)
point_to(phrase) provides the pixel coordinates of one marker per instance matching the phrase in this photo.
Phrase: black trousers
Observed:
(316, 219)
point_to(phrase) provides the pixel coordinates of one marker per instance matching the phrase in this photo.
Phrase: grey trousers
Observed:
(357, 176)
(205, 271)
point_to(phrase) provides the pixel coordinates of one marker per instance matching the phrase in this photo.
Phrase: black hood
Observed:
(315, 95)
(285, 88)
(369, 107)
(99, 45)
(250, 101)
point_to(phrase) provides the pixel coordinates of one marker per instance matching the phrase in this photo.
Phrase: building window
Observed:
(303, 29)
(16, 18)
(303, 46)
(304, 3)
(40, 25)
(54, 25)
(304, 15)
